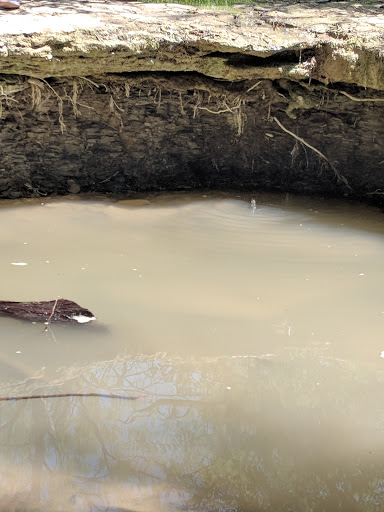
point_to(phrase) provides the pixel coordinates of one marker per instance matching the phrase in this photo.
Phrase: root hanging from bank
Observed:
(353, 98)
(182, 111)
(91, 82)
(253, 86)
(37, 87)
(78, 85)
(7, 102)
(75, 94)
(236, 109)
(60, 105)
(7, 90)
(377, 192)
(203, 98)
(157, 98)
(115, 109)
(339, 176)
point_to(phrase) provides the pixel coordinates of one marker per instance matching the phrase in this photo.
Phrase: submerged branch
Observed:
(60, 395)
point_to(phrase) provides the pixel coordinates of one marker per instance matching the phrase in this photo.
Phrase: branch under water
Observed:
(101, 395)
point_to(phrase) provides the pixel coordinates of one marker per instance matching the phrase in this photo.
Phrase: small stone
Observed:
(73, 187)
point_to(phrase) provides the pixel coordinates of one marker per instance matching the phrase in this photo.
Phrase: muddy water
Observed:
(254, 332)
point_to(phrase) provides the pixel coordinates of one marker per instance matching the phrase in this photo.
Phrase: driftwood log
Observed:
(59, 310)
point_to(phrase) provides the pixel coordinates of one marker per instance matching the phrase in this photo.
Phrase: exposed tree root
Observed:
(60, 106)
(236, 109)
(115, 109)
(353, 98)
(339, 176)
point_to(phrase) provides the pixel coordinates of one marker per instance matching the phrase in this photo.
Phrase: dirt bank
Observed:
(131, 97)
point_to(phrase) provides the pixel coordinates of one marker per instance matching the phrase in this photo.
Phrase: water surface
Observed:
(254, 332)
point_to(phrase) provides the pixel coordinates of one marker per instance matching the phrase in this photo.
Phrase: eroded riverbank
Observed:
(133, 97)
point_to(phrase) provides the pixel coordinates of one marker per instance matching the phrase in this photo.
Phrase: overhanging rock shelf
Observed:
(131, 97)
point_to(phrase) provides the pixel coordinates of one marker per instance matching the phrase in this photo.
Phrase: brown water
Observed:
(255, 334)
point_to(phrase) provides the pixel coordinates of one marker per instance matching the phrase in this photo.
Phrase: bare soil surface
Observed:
(125, 97)
(78, 38)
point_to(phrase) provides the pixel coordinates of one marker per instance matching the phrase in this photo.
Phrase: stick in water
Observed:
(51, 315)
(101, 395)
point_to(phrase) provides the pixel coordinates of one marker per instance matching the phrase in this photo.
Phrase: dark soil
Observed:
(133, 98)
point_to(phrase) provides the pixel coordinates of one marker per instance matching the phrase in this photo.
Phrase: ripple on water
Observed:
(252, 334)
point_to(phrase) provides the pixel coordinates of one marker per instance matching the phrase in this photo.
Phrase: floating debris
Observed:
(59, 310)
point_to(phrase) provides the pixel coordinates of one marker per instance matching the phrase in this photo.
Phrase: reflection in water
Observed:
(268, 397)
(281, 438)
